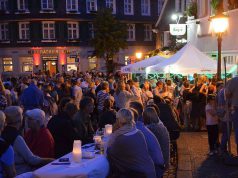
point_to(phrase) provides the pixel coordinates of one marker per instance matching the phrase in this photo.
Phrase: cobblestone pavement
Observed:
(193, 161)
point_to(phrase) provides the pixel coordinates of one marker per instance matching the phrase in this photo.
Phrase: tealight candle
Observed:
(77, 151)
(108, 130)
(97, 139)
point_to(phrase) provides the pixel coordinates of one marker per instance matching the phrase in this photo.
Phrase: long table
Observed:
(97, 167)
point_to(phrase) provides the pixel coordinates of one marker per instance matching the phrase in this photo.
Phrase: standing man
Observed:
(77, 93)
(32, 97)
(232, 94)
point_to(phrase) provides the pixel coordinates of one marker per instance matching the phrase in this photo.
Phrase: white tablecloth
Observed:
(97, 167)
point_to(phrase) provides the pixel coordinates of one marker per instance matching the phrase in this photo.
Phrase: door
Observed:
(50, 65)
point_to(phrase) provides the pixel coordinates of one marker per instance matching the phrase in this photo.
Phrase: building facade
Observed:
(54, 35)
(200, 34)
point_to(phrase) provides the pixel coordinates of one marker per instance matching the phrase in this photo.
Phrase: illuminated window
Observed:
(7, 64)
(27, 64)
(71, 63)
(92, 61)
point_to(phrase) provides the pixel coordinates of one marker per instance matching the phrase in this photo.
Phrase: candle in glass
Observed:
(77, 151)
(108, 130)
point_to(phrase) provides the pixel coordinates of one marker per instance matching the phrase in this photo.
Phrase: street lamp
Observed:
(138, 55)
(219, 24)
(176, 17)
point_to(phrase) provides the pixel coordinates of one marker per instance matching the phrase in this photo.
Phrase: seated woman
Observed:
(109, 114)
(127, 150)
(151, 119)
(25, 160)
(38, 137)
(7, 168)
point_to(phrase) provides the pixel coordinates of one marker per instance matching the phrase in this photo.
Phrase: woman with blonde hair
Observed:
(123, 96)
(3, 98)
(127, 149)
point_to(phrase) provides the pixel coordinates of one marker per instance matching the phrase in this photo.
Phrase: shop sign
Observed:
(48, 51)
(177, 29)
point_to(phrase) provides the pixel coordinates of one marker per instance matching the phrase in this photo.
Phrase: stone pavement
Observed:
(193, 161)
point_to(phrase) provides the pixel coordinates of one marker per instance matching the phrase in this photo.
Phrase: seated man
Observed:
(38, 137)
(25, 160)
(7, 168)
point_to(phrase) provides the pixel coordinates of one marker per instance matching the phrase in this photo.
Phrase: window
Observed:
(145, 7)
(72, 5)
(24, 31)
(148, 32)
(111, 4)
(4, 32)
(48, 30)
(92, 62)
(73, 30)
(3, 4)
(7, 64)
(71, 63)
(131, 32)
(128, 7)
(22, 5)
(91, 30)
(27, 64)
(47, 4)
(91, 5)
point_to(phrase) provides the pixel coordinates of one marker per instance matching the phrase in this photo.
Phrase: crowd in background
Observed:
(42, 116)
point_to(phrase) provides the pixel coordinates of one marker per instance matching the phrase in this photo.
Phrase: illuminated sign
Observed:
(48, 51)
(177, 29)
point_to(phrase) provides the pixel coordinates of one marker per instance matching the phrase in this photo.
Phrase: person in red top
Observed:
(38, 137)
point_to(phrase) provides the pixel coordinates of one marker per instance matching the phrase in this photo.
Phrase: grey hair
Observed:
(2, 120)
(13, 114)
(125, 116)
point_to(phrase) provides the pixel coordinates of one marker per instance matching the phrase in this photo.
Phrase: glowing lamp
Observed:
(174, 17)
(62, 58)
(219, 23)
(108, 130)
(36, 59)
(77, 151)
(139, 55)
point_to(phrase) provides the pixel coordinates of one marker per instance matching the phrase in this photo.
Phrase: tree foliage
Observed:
(110, 37)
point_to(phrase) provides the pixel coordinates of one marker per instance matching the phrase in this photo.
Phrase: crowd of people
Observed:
(41, 116)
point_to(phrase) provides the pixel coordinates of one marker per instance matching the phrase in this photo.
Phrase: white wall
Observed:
(200, 35)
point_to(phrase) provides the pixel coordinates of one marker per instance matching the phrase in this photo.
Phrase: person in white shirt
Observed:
(77, 93)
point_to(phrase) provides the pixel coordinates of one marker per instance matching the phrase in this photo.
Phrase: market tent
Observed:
(187, 60)
(139, 67)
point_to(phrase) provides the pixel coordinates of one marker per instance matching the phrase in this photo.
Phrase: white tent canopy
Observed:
(187, 60)
(139, 67)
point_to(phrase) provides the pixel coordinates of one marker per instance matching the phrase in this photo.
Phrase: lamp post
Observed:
(219, 24)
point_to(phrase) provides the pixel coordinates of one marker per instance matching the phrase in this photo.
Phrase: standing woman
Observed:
(122, 96)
